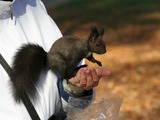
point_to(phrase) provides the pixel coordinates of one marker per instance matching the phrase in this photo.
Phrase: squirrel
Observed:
(62, 58)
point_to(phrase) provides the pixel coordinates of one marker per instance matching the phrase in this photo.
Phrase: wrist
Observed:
(72, 89)
(65, 91)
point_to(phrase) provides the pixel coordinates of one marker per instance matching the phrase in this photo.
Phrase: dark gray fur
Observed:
(63, 58)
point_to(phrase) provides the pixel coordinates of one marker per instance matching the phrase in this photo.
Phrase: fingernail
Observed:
(108, 72)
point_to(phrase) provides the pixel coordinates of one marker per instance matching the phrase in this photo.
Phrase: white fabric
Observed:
(30, 24)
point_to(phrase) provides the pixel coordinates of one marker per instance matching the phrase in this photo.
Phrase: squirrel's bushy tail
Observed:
(28, 63)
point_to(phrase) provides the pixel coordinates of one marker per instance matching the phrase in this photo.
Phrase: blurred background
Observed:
(133, 42)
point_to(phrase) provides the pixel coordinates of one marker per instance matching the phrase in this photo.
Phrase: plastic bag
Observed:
(107, 108)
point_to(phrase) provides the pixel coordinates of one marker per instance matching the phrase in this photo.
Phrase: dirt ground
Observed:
(133, 54)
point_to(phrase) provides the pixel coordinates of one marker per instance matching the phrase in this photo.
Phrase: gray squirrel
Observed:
(62, 58)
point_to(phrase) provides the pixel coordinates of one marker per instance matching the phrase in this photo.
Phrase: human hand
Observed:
(88, 78)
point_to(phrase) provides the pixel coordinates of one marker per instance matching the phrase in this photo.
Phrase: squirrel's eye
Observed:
(97, 45)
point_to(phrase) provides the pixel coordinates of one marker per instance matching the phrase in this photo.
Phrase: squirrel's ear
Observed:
(93, 34)
(101, 31)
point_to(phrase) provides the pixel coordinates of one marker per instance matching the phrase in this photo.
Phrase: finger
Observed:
(83, 80)
(103, 72)
(94, 75)
(89, 78)
(76, 80)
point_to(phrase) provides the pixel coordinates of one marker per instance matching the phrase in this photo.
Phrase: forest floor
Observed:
(133, 49)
